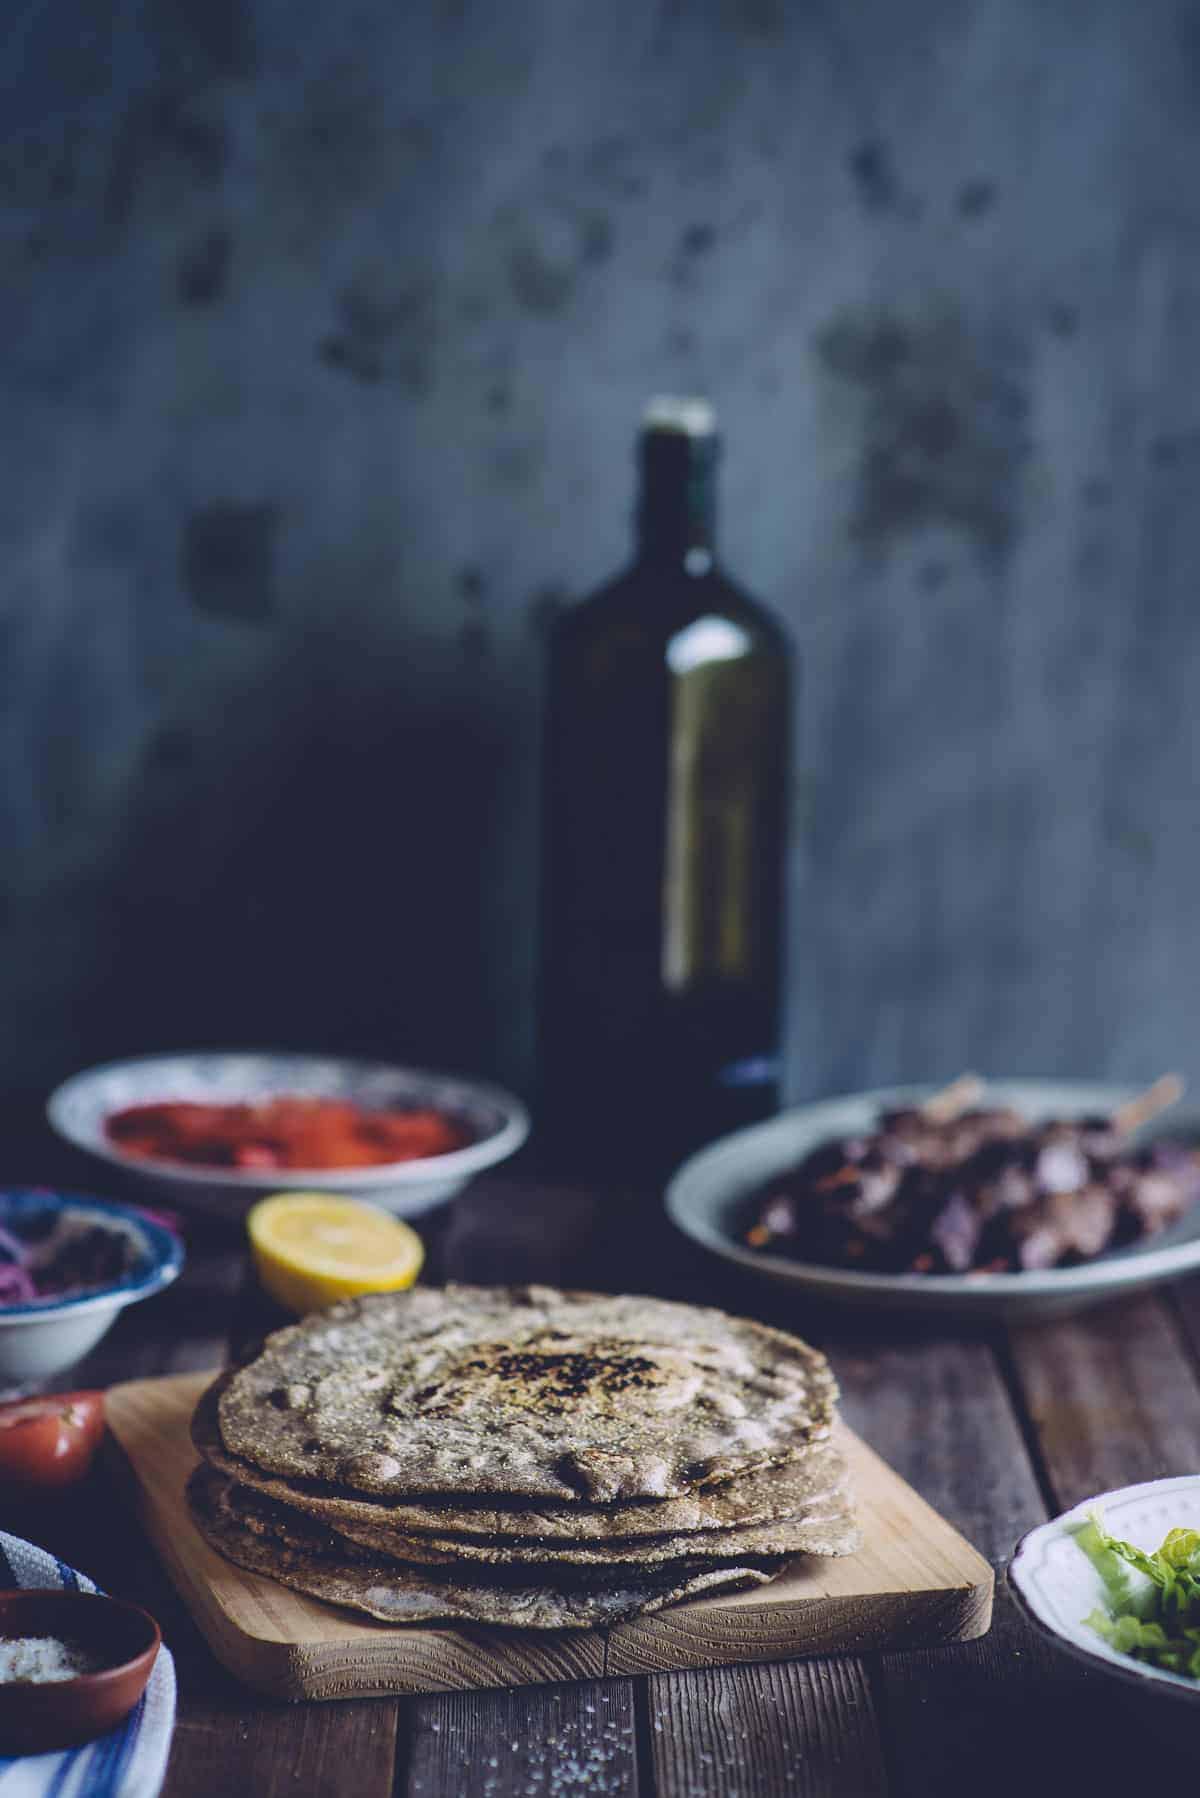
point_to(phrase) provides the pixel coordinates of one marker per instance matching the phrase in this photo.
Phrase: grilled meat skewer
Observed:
(939, 1189)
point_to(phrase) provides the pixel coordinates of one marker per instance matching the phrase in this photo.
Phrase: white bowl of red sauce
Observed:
(219, 1130)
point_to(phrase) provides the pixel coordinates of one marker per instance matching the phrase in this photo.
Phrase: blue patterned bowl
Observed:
(496, 1122)
(41, 1337)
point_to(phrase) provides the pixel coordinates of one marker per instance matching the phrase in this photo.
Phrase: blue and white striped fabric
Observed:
(129, 1762)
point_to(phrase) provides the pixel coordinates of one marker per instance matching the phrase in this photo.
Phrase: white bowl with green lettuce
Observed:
(1116, 1583)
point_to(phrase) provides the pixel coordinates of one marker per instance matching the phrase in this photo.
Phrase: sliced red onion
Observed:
(16, 1286)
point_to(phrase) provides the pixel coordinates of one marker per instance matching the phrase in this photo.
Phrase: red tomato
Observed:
(49, 1442)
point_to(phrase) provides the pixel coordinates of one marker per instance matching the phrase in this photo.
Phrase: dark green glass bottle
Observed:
(666, 771)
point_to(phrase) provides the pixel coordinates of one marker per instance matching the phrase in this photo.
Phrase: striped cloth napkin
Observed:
(129, 1762)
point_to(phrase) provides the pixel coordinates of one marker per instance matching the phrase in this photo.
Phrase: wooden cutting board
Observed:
(915, 1583)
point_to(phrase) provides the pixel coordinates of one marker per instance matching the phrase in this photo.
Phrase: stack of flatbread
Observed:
(521, 1456)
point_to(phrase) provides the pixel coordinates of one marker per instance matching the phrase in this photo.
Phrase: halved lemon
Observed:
(311, 1248)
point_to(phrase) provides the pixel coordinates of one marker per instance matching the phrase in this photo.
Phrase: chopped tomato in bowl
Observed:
(217, 1130)
(288, 1131)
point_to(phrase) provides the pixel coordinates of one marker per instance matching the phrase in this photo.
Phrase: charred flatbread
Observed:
(524, 1391)
(758, 1497)
(250, 1531)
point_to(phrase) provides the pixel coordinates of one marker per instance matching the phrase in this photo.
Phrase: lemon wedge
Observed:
(311, 1248)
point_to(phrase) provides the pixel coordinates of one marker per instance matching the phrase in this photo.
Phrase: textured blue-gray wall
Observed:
(323, 334)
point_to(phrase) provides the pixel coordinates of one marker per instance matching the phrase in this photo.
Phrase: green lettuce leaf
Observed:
(1153, 1615)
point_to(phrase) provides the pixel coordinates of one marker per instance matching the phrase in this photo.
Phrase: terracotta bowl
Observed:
(62, 1713)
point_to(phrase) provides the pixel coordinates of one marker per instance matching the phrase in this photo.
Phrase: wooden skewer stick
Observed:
(1135, 1112)
(952, 1100)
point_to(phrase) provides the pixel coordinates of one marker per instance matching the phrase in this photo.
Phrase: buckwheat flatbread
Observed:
(524, 1391)
(248, 1530)
(827, 1529)
(769, 1493)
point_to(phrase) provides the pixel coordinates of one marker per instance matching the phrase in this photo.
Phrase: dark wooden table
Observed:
(997, 1430)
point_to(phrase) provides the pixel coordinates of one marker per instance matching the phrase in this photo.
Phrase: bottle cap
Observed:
(686, 415)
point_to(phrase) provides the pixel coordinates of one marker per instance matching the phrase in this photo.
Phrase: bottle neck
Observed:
(677, 499)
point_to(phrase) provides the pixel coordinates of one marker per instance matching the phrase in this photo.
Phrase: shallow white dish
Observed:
(41, 1337)
(1057, 1586)
(498, 1124)
(706, 1198)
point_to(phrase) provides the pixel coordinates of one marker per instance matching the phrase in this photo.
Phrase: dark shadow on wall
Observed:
(306, 872)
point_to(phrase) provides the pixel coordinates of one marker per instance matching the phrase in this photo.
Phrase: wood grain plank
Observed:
(805, 1728)
(1183, 1299)
(935, 1408)
(546, 1742)
(938, 1408)
(914, 1580)
(228, 1748)
(1112, 1397)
